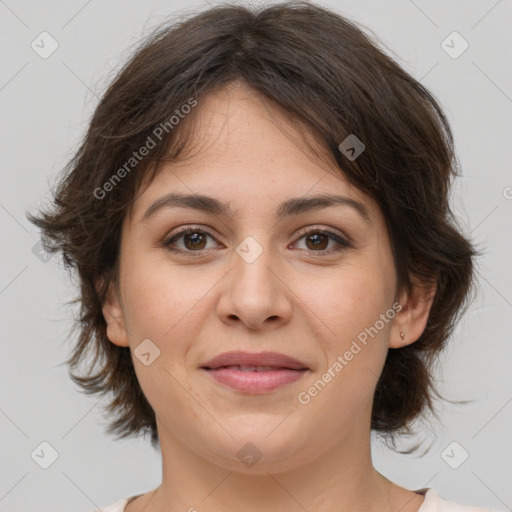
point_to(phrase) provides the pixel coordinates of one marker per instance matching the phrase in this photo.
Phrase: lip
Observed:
(263, 372)
(237, 358)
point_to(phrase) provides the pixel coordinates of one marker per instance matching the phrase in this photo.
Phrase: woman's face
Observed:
(270, 271)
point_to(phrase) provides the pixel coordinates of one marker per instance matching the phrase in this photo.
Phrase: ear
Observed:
(412, 318)
(113, 314)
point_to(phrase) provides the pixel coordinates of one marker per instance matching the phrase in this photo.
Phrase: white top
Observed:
(432, 503)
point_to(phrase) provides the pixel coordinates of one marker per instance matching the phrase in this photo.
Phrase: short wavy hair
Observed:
(333, 80)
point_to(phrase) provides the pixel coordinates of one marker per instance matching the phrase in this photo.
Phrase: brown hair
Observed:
(335, 81)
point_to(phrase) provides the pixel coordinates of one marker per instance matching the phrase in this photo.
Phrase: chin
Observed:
(261, 449)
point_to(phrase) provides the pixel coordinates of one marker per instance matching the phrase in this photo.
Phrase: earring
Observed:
(403, 337)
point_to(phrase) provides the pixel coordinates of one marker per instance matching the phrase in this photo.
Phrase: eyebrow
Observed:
(293, 206)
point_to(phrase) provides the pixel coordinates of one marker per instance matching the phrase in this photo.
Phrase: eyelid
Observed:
(343, 241)
(324, 230)
(183, 231)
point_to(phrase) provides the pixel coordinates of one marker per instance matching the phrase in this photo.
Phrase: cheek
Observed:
(156, 293)
(347, 300)
(162, 305)
(359, 306)
(354, 342)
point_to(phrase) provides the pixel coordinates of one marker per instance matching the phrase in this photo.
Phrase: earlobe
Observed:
(410, 322)
(113, 315)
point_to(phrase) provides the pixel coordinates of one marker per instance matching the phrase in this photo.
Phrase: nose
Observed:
(255, 294)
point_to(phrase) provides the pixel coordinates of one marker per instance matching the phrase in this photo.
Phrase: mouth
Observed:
(246, 368)
(255, 373)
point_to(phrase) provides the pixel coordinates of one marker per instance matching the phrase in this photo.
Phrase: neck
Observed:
(342, 479)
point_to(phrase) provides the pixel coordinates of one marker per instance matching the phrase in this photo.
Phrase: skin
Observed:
(291, 299)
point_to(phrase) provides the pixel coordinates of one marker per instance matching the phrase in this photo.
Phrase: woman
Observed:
(258, 216)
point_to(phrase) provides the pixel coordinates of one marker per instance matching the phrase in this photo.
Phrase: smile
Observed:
(254, 379)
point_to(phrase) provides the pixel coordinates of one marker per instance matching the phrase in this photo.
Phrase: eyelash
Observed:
(343, 243)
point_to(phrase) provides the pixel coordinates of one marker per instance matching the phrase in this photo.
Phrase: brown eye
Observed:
(317, 241)
(192, 240)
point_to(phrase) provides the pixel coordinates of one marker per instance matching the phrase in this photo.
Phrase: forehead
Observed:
(246, 149)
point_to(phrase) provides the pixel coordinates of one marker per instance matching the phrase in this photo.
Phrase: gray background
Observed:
(45, 106)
